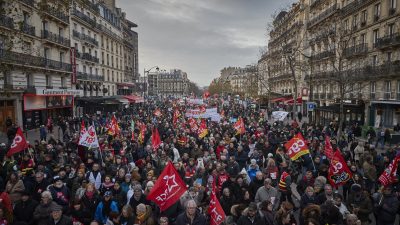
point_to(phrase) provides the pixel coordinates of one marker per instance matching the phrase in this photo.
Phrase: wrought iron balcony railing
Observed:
(17, 58)
(357, 50)
(354, 6)
(28, 29)
(6, 21)
(89, 57)
(47, 35)
(388, 41)
(86, 76)
(324, 15)
(323, 55)
(85, 18)
(89, 39)
(52, 11)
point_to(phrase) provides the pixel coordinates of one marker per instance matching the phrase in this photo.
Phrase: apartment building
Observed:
(353, 45)
(53, 54)
(35, 67)
(174, 83)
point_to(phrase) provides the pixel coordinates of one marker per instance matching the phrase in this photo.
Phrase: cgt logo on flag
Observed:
(168, 188)
(216, 212)
(296, 147)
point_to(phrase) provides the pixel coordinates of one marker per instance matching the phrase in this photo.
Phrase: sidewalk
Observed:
(32, 135)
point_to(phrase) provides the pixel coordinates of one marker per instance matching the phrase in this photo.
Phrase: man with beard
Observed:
(60, 192)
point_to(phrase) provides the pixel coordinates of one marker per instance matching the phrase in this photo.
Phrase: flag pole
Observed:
(312, 161)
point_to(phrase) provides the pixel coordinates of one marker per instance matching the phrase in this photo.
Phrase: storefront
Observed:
(45, 103)
(354, 112)
(384, 113)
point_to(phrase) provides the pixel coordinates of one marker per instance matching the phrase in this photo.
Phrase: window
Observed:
(76, 46)
(26, 17)
(95, 37)
(26, 46)
(391, 29)
(363, 17)
(375, 60)
(84, 69)
(60, 32)
(61, 57)
(48, 81)
(346, 25)
(355, 21)
(89, 33)
(82, 30)
(75, 26)
(95, 53)
(398, 90)
(377, 11)
(83, 49)
(363, 38)
(30, 78)
(45, 25)
(373, 90)
(46, 53)
(63, 82)
(102, 41)
(388, 90)
(108, 57)
(112, 76)
(393, 4)
(90, 70)
(389, 56)
(97, 72)
(375, 36)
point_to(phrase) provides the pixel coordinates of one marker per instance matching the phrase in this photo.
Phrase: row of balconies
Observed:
(87, 56)
(85, 18)
(388, 41)
(357, 50)
(323, 55)
(92, 6)
(86, 76)
(354, 6)
(322, 16)
(52, 11)
(323, 36)
(372, 96)
(287, 32)
(28, 87)
(85, 38)
(47, 35)
(315, 3)
(11, 57)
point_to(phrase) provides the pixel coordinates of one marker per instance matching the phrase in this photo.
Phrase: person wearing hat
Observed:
(60, 192)
(23, 209)
(386, 205)
(57, 217)
(359, 203)
(104, 208)
(252, 217)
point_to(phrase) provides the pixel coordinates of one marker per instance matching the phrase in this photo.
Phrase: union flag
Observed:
(19, 143)
(338, 173)
(155, 139)
(296, 147)
(168, 188)
(239, 126)
(202, 131)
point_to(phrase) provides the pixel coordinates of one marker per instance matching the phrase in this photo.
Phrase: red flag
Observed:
(142, 133)
(239, 126)
(176, 116)
(217, 214)
(157, 112)
(155, 139)
(206, 94)
(389, 174)
(328, 148)
(338, 173)
(202, 131)
(83, 128)
(296, 147)
(183, 140)
(113, 128)
(193, 125)
(18, 144)
(168, 188)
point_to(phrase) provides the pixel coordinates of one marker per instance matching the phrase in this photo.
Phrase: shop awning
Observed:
(281, 99)
(291, 102)
(134, 98)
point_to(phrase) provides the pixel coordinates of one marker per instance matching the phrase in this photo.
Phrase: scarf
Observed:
(89, 194)
(141, 217)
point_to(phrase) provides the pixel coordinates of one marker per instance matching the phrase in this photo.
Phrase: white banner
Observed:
(279, 115)
(216, 117)
(195, 101)
(89, 138)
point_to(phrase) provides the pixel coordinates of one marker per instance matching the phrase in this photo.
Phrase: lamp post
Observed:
(146, 82)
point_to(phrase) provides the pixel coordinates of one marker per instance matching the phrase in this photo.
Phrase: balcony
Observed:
(372, 95)
(354, 6)
(55, 38)
(323, 55)
(15, 58)
(30, 3)
(92, 6)
(76, 34)
(88, 57)
(55, 13)
(358, 50)
(388, 41)
(6, 22)
(315, 3)
(327, 13)
(28, 29)
(13, 87)
(84, 18)
(387, 96)
(392, 11)
(386, 70)
(89, 39)
(86, 76)
(329, 96)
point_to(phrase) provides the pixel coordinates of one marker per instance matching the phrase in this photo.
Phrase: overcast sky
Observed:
(200, 36)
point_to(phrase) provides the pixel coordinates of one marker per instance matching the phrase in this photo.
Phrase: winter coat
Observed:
(23, 211)
(82, 215)
(254, 186)
(60, 195)
(65, 220)
(14, 190)
(90, 203)
(99, 216)
(199, 219)
(42, 213)
(147, 219)
(244, 220)
(363, 203)
(358, 152)
(386, 208)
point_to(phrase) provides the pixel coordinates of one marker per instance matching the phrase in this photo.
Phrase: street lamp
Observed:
(146, 81)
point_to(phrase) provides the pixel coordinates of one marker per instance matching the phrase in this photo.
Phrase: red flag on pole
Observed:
(328, 148)
(19, 143)
(239, 126)
(155, 139)
(296, 147)
(83, 128)
(113, 127)
(168, 188)
(389, 174)
(217, 214)
(338, 173)
(202, 131)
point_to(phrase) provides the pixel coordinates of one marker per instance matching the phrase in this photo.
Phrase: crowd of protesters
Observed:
(56, 181)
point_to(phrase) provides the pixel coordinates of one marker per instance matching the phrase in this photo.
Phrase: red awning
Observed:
(290, 101)
(282, 99)
(134, 98)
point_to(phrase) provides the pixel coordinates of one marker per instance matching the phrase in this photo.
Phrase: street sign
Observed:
(311, 106)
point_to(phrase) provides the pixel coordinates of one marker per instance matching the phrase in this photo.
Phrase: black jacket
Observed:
(199, 219)
(82, 215)
(65, 220)
(387, 209)
(23, 211)
(245, 220)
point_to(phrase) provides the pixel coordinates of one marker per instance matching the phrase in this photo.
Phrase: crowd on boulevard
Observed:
(246, 165)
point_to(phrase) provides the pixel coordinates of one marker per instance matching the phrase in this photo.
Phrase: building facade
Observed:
(350, 53)
(54, 53)
(174, 83)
